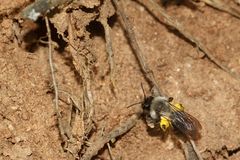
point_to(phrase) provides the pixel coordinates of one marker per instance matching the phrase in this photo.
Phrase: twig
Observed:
(109, 50)
(56, 106)
(103, 19)
(223, 7)
(108, 144)
(40, 8)
(190, 150)
(110, 151)
(148, 74)
(117, 131)
(196, 149)
(158, 12)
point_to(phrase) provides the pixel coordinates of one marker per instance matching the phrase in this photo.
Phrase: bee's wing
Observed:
(185, 123)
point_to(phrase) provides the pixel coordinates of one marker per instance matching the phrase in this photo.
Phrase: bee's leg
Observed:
(164, 123)
(150, 122)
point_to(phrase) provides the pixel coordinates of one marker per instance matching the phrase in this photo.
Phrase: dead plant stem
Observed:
(117, 131)
(109, 50)
(138, 53)
(223, 7)
(158, 12)
(56, 105)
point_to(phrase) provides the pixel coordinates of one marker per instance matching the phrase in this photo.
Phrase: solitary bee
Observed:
(160, 110)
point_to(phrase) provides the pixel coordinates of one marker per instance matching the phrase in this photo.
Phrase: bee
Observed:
(168, 115)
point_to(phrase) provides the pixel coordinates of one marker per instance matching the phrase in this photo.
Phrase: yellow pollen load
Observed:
(179, 106)
(164, 123)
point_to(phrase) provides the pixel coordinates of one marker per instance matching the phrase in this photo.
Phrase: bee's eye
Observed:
(147, 102)
(146, 106)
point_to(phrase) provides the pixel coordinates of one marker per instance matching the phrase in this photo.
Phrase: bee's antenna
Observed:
(133, 104)
(138, 102)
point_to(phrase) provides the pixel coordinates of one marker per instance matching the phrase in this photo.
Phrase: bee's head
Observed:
(147, 102)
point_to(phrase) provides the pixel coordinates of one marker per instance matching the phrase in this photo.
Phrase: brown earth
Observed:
(28, 127)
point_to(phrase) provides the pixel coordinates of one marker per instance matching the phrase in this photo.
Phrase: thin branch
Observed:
(41, 7)
(109, 50)
(148, 74)
(56, 105)
(196, 149)
(158, 12)
(110, 151)
(223, 7)
(190, 150)
(116, 132)
(109, 45)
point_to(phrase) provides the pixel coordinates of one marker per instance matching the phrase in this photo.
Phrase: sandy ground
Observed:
(28, 127)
